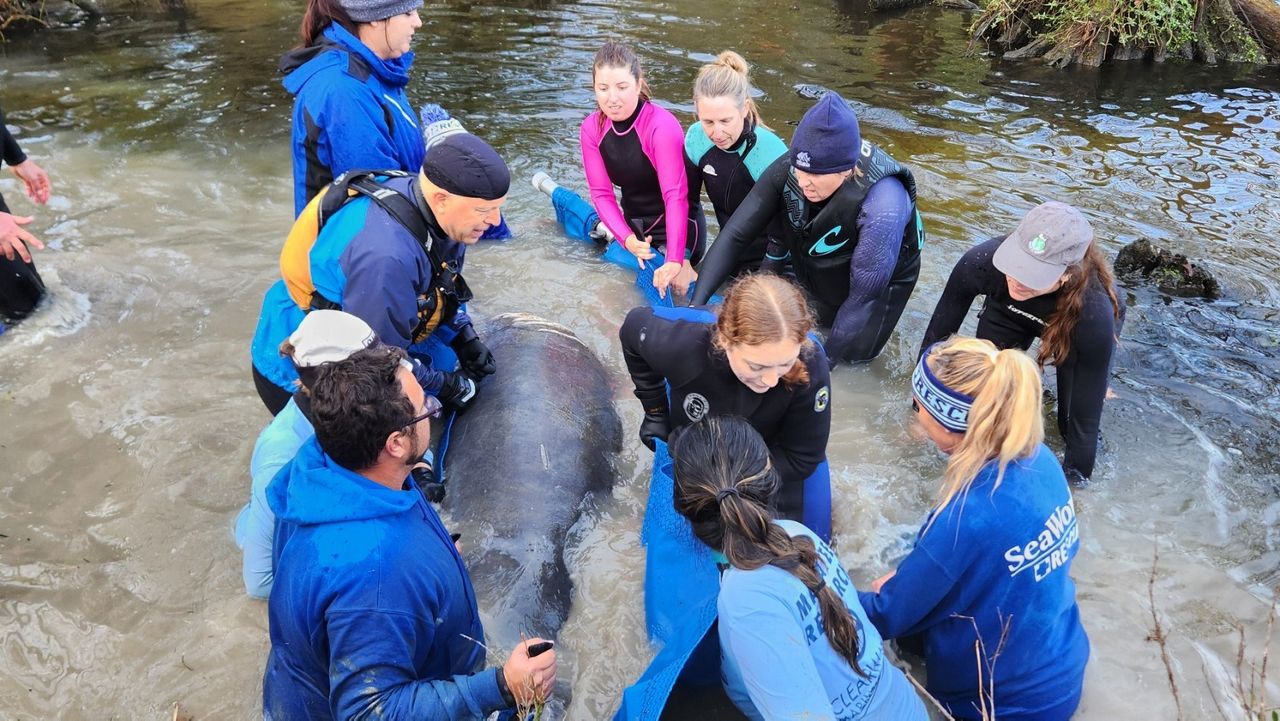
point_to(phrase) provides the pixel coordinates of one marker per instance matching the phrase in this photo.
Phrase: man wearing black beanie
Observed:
(851, 231)
(393, 257)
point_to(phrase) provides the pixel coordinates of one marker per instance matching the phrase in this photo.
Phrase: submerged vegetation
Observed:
(1090, 32)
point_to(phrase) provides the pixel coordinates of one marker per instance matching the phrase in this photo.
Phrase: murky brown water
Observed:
(127, 417)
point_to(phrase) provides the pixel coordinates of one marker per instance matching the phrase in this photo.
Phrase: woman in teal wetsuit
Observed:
(794, 640)
(729, 148)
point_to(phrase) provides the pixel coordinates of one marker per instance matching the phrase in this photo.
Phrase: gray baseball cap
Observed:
(1051, 237)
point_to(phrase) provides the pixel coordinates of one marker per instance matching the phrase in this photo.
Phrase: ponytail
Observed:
(1005, 421)
(318, 16)
(725, 484)
(728, 77)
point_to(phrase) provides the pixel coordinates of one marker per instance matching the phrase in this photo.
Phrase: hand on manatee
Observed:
(475, 358)
(425, 476)
(458, 391)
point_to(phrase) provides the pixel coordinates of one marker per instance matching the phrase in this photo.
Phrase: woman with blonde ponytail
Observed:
(729, 147)
(987, 588)
(794, 641)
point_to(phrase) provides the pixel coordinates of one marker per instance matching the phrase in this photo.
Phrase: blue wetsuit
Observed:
(673, 365)
(776, 659)
(996, 556)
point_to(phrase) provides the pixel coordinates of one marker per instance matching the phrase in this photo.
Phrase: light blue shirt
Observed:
(277, 445)
(776, 660)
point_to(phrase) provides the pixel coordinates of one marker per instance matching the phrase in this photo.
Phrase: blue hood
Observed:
(300, 65)
(313, 489)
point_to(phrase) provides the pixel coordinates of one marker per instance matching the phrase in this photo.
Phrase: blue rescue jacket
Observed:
(350, 112)
(372, 267)
(994, 557)
(372, 613)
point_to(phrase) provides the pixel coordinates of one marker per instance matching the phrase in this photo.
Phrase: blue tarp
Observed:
(680, 587)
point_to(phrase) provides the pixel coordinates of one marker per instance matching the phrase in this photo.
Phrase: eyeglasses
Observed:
(431, 408)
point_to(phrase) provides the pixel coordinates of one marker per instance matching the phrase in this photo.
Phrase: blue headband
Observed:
(948, 407)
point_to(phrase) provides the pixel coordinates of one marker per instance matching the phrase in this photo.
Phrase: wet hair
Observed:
(1005, 421)
(356, 403)
(725, 484)
(616, 54)
(318, 16)
(1055, 342)
(728, 77)
(765, 308)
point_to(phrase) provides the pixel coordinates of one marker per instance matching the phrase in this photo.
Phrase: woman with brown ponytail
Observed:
(755, 359)
(988, 579)
(1046, 279)
(794, 640)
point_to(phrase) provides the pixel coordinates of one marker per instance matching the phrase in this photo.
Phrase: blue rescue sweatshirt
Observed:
(994, 557)
(350, 112)
(275, 447)
(777, 662)
(372, 607)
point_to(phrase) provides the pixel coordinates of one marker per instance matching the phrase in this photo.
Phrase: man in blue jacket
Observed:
(372, 612)
(401, 274)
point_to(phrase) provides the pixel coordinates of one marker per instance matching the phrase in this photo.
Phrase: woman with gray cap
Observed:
(1047, 279)
(348, 78)
(850, 230)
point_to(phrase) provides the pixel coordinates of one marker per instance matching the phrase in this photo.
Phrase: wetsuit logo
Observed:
(822, 400)
(709, 169)
(822, 247)
(696, 406)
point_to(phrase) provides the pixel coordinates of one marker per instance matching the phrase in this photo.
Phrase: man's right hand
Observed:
(458, 390)
(655, 426)
(530, 680)
(15, 239)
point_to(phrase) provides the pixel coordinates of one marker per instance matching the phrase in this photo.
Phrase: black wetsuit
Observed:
(21, 287)
(642, 203)
(672, 363)
(729, 175)
(856, 254)
(1009, 323)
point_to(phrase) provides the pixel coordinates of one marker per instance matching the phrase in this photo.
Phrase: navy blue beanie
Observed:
(465, 165)
(827, 139)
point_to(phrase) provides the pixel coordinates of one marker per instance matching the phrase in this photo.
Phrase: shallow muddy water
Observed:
(127, 415)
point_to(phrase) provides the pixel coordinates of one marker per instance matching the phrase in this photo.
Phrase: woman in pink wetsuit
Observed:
(632, 143)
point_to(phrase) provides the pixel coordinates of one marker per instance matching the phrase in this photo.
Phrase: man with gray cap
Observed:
(388, 248)
(850, 230)
(1049, 280)
(324, 336)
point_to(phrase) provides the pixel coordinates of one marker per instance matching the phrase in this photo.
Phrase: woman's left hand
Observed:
(684, 278)
(663, 277)
(877, 584)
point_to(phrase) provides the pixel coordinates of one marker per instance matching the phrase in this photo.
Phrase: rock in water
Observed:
(1172, 273)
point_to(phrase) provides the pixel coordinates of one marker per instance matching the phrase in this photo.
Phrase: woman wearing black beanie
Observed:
(851, 230)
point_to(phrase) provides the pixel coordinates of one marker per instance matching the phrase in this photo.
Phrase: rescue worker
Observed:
(850, 230)
(754, 359)
(391, 255)
(21, 287)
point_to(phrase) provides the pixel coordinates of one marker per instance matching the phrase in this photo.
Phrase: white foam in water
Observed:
(63, 312)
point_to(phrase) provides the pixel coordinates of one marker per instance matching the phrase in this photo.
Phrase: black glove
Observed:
(425, 477)
(473, 355)
(655, 426)
(458, 391)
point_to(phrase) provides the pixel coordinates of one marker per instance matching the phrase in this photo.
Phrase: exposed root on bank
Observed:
(1091, 32)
